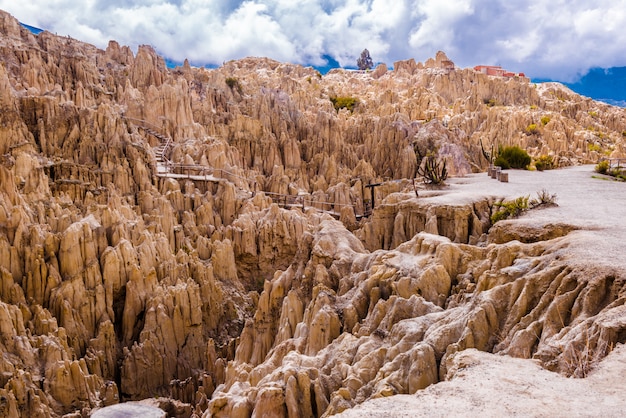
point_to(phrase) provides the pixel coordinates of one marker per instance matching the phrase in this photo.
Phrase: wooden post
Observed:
(371, 186)
(415, 188)
(367, 208)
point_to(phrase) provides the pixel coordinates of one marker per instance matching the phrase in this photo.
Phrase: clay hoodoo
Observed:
(144, 253)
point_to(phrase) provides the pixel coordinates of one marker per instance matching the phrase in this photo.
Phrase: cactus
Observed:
(433, 171)
(489, 156)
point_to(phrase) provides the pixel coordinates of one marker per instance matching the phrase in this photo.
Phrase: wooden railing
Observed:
(205, 173)
(142, 123)
(616, 163)
(306, 201)
(194, 170)
(164, 140)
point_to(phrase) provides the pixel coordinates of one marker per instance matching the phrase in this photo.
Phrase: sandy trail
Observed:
(585, 199)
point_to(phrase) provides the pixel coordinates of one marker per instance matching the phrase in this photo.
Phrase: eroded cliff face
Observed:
(122, 281)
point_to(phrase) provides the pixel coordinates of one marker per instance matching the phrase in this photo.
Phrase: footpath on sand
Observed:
(594, 204)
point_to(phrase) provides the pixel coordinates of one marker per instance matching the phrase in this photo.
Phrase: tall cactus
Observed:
(489, 156)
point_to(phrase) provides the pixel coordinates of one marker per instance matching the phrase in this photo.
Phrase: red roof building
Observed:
(496, 70)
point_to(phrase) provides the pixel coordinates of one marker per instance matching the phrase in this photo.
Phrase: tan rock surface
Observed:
(132, 271)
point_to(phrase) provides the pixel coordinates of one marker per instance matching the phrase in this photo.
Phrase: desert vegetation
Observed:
(512, 157)
(234, 84)
(433, 172)
(344, 102)
(516, 207)
(544, 162)
(365, 62)
(604, 167)
(532, 129)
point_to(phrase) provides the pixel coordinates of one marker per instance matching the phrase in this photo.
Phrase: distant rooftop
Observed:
(496, 70)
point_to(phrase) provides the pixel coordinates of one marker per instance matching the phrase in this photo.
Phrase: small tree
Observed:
(365, 61)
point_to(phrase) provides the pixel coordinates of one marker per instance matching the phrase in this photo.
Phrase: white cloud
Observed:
(438, 23)
(558, 39)
(251, 31)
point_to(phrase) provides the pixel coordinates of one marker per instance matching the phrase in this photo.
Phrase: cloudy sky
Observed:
(558, 39)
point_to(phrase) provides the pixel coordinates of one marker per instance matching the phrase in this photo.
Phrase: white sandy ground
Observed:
(130, 410)
(585, 199)
(491, 385)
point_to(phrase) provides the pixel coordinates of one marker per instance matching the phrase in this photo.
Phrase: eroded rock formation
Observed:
(125, 278)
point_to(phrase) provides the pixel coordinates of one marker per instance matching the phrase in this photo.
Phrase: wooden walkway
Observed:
(196, 172)
(305, 202)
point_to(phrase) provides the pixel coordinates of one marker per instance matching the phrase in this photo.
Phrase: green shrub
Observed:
(510, 209)
(344, 103)
(490, 102)
(543, 198)
(618, 173)
(545, 120)
(515, 208)
(501, 162)
(532, 129)
(544, 162)
(594, 147)
(514, 156)
(602, 167)
(233, 83)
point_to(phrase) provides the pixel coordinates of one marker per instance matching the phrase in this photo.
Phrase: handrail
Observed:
(166, 147)
(282, 199)
(296, 198)
(144, 122)
(617, 162)
(148, 125)
(304, 201)
(202, 168)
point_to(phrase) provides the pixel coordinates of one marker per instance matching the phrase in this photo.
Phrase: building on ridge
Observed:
(497, 71)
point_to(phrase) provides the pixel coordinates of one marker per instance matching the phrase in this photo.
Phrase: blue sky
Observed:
(558, 39)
